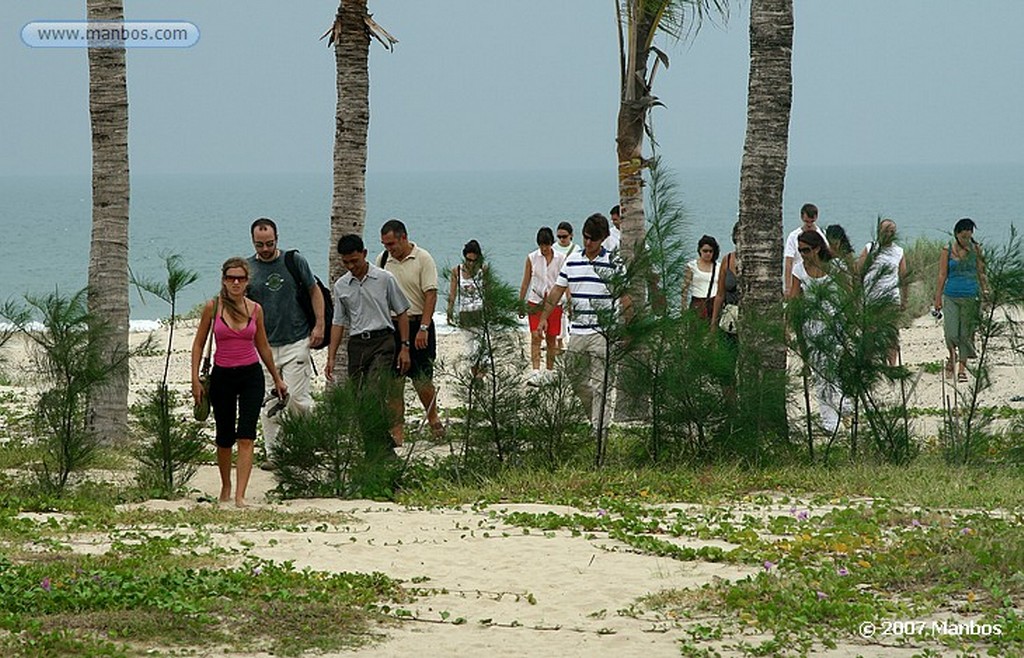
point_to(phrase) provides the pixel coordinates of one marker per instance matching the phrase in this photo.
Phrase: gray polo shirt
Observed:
(368, 305)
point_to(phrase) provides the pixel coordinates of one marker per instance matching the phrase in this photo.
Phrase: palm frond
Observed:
(683, 19)
(373, 28)
(379, 33)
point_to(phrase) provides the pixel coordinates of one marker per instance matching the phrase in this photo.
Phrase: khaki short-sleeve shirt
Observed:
(416, 274)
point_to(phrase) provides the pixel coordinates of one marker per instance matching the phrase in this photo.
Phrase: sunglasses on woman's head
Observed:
(804, 250)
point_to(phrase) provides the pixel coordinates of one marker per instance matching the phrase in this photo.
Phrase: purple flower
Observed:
(257, 570)
(45, 584)
(843, 571)
(966, 531)
(768, 565)
(821, 595)
(792, 510)
(602, 512)
(802, 515)
(915, 523)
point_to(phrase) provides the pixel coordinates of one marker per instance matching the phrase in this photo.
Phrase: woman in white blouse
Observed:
(539, 274)
(700, 284)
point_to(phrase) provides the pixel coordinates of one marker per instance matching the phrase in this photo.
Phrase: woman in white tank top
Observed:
(700, 283)
(466, 297)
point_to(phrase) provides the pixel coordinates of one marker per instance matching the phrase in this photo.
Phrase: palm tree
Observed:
(638, 22)
(108, 250)
(349, 35)
(762, 178)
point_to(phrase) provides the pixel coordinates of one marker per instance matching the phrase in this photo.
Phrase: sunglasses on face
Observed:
(269, 244)
(563, 236)
(804, 250)
(235, 279)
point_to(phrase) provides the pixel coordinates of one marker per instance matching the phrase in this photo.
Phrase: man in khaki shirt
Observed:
(416, 272)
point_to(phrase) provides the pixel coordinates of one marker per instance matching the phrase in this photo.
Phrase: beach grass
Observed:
(928, 481)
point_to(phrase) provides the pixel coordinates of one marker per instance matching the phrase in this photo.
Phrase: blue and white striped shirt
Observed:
(587, 281)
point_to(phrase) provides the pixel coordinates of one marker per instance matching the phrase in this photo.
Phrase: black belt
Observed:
(369, 335)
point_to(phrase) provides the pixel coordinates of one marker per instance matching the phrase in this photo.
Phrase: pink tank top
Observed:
(235, 347)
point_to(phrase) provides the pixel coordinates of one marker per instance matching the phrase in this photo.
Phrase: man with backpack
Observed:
(283, 283)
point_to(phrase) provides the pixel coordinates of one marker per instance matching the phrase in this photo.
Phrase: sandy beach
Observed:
(514, 592)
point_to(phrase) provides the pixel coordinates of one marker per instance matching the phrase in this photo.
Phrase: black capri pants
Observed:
(236, 393)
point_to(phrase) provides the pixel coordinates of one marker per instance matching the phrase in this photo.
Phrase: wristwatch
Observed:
(424, 327)
(406, 343)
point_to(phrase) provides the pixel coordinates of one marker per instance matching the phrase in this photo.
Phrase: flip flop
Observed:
(962, 377)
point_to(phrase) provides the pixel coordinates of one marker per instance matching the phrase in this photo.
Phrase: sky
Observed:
(511, 85)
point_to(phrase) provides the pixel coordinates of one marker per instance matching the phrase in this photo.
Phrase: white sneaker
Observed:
(534, 379)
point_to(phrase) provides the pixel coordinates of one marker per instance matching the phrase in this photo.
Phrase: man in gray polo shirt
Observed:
(365, 298)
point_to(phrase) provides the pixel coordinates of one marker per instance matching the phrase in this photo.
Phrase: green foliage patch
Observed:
(173, 588)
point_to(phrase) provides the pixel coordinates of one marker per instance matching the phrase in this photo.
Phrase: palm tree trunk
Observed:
(351, 124)
(762, 178)
(108, 252)
(634, 103)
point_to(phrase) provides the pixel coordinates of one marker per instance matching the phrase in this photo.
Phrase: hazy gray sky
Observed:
(520, 84)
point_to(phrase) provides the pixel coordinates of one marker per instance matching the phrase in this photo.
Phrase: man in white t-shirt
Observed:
(790, 255)
(886, 276)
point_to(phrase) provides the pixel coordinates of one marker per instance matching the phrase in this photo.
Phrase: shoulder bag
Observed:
(729, 316)
(201, 409)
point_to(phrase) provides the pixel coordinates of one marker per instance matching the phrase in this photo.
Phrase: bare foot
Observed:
(240, 503)
(225, 494)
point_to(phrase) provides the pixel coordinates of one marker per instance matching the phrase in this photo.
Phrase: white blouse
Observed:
(544, 275)
(702, 280)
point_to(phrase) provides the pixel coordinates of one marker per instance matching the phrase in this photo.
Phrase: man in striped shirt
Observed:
(586, 275)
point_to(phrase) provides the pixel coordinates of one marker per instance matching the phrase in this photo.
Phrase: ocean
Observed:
(206, 218)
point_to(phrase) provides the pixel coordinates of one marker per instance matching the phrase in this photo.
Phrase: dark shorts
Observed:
(422, 360)
(236, 393)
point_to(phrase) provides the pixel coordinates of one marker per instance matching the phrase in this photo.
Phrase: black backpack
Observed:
(306, 304)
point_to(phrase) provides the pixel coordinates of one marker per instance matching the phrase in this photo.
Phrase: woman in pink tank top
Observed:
(236, 382)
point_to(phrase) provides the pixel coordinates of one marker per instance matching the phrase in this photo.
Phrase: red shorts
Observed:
(554, 320)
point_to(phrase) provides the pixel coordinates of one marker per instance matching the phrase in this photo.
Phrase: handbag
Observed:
(201, 409)
(728, 318)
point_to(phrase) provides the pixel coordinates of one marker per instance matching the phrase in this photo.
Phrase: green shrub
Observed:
(170, 446)
(338, 448)
(70, 360)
